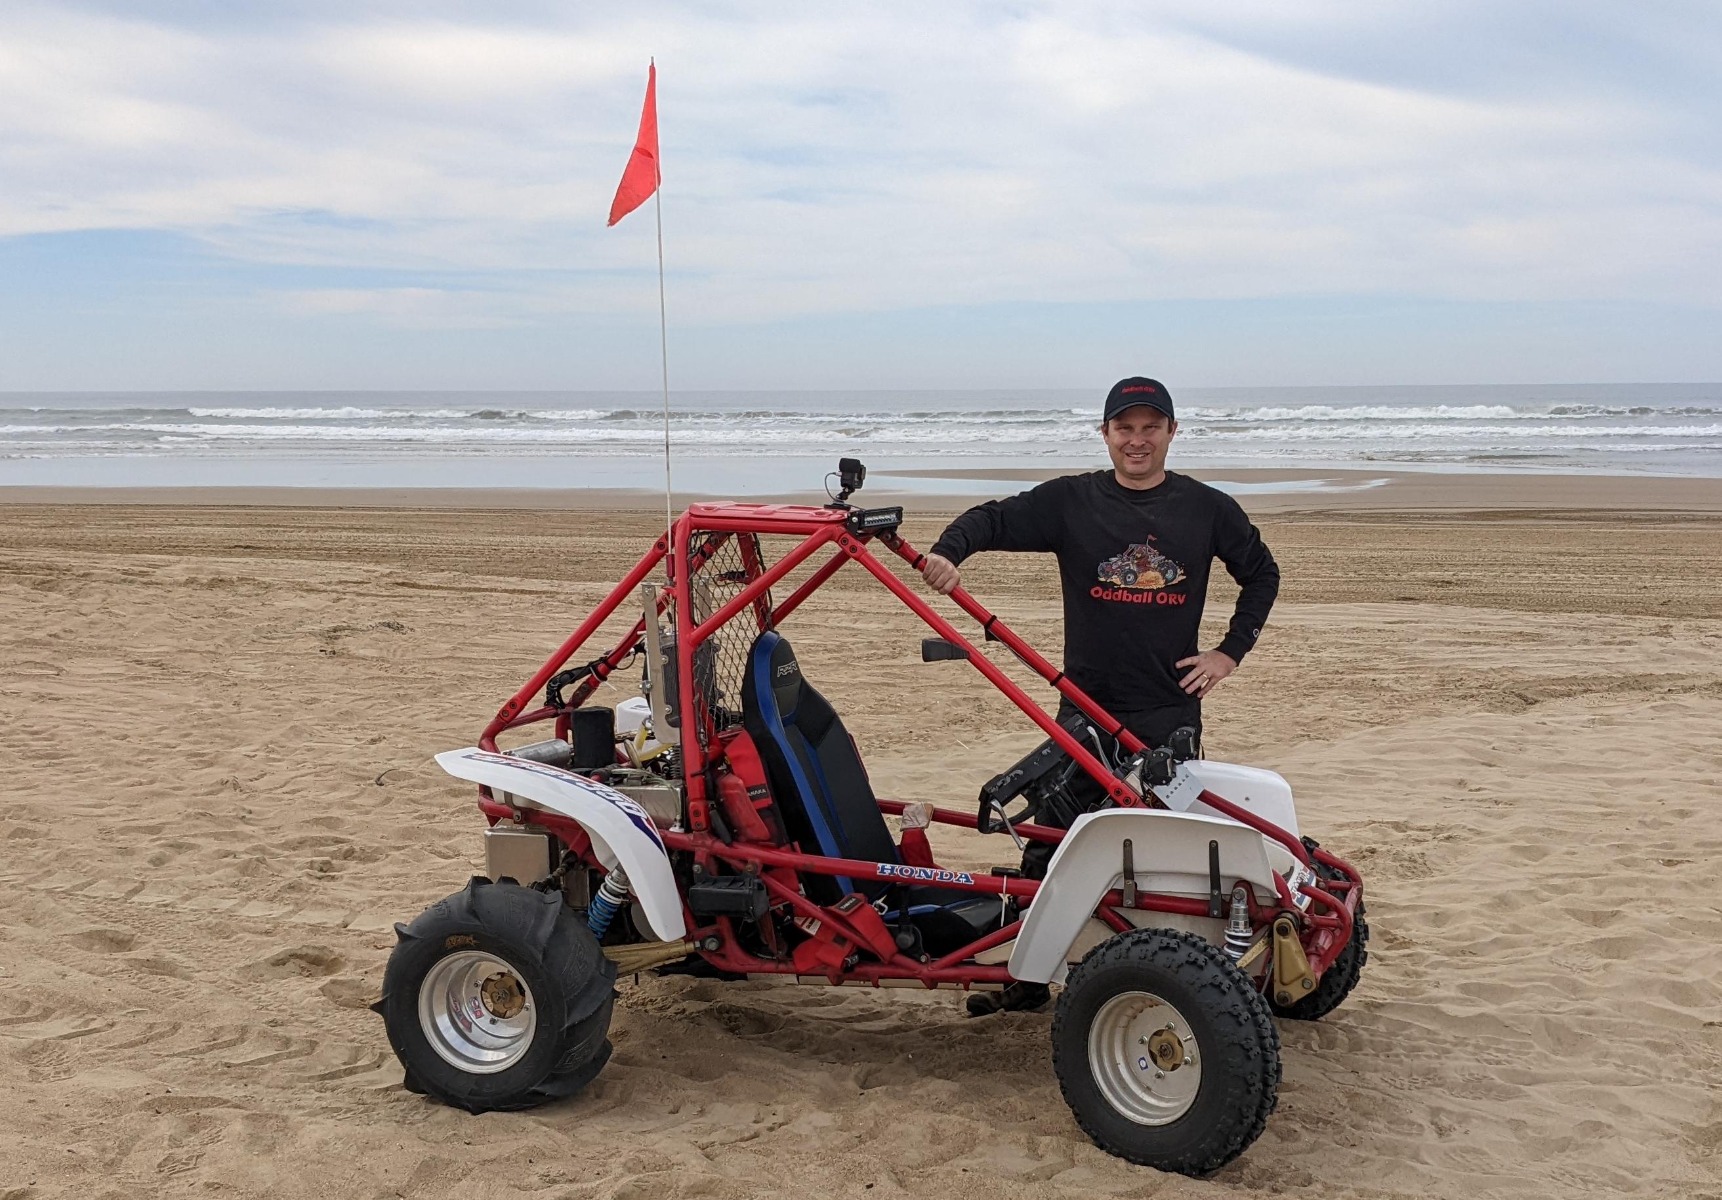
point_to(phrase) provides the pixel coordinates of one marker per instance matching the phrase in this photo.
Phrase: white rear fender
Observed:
(1169, 854)
(621, 831)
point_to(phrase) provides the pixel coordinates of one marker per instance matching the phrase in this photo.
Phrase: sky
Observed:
(309, 194)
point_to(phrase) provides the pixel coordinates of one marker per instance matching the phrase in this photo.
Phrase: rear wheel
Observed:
(498, 997)
(1165, 1052)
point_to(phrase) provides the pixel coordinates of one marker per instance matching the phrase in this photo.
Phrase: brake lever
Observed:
(994, 819)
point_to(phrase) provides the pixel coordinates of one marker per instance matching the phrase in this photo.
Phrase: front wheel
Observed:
(1165, 1052)
(497, 998)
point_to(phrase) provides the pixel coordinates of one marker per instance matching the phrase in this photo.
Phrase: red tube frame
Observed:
(1327, 933)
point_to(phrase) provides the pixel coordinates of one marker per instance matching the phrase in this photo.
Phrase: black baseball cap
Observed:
(1128, 393)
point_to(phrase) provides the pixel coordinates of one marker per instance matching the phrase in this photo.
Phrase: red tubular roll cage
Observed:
(1325, 933)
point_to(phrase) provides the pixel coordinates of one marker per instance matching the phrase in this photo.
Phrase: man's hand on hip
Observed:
(1206, 671)
(941, 574)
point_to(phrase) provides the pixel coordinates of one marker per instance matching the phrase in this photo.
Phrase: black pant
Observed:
(1153, 726)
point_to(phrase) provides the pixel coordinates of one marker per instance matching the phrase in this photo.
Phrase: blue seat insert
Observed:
(827, 803)
(815, 772)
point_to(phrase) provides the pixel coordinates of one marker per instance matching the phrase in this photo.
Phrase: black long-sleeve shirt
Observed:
(1134, 567)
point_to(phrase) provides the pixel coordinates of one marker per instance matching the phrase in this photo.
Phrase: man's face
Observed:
(1137, 439)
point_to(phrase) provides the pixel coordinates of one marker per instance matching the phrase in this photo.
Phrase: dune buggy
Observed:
(722, 822)
(1141, 566)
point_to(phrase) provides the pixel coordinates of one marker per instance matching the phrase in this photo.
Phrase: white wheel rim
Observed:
(1144, 1058)
(477, 1012)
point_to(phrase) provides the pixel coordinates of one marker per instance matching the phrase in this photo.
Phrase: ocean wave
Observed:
(1440, 412)
(1363, 412)
(851, 432)
(1015, 416)
(342, 413)
(559, 415)
(735, 435)
(1026, 418)
(1636, 410)
(1591, 428)
(1313, 413)
(1564, 434)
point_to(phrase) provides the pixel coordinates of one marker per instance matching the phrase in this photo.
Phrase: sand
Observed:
(216, 724)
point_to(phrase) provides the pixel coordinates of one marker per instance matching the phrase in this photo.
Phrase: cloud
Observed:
(403, 307)
(884, 157)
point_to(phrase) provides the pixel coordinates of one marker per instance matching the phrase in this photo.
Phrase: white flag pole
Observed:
(663, 329)
(664, 347)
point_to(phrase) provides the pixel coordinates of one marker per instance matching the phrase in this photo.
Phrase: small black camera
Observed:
(851, 474)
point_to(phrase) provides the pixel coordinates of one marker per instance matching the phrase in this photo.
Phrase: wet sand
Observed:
(1267, 490)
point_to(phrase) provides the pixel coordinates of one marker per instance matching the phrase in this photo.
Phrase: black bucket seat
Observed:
(827, 802)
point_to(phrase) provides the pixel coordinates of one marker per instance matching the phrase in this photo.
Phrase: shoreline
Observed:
(1260, 490)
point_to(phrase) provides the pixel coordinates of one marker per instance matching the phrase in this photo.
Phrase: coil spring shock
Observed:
(612, 895)
(1239, 935)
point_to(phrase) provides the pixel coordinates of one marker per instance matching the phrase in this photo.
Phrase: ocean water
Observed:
(740, 442)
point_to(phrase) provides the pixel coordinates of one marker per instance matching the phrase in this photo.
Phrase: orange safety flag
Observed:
(640, 179)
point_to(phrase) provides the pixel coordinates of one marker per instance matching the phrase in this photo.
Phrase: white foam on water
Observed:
(1663, 428)
(343, 413)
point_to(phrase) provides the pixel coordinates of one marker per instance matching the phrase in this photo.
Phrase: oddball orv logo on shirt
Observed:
(1139, 576)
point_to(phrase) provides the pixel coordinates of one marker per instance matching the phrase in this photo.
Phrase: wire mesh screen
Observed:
(721, 662)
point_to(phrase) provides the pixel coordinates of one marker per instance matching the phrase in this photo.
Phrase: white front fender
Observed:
(622, 833)
(1169, 854)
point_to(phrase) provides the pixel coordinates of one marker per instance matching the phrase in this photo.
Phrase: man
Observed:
(1134, 545)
